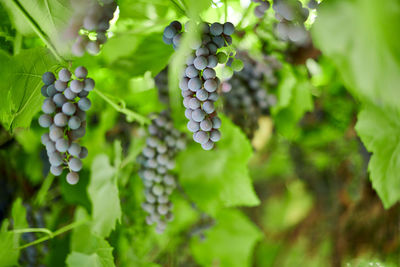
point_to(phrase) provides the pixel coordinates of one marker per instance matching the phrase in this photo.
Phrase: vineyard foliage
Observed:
(329, 140)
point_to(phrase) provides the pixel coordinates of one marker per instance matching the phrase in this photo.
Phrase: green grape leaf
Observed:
(379, 129)
(50, 16)
(20, 85)
(9, 241)
(151, 54)
(229, 243)
(294, 100)
(103, 193)
(219, 178)
(94, 251)
(361, 38)
(9, 253)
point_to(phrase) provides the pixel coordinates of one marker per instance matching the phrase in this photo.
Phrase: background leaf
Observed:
(20, 86)
(219, 178)
(103, 193)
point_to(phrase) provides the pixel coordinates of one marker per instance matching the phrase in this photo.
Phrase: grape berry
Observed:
(65, 115)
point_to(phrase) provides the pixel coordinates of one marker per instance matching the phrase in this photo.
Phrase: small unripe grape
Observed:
(45, 138)
(200, 137)
(208, 107)
(60, 86)
(56, 133)
(198, 115)
(62, 145)
(72, 178)
(59, 99)
(193, 126)
(206, 125)
(191, 72)
(210, 85)
(229, 29)
(56, 170)
(215, 135)
(93, 48)
(216, 122)
(74, 149)
(216, 29)
(48, 78)
(55, 159)
(43, 90)
(69, 94)
(84, 153)
(212, 61)
(45, 121)
(157, 190)
(76, 86)
(209, 73)
(60, 119)
(84, 104)
(51, 90)
(89, 84)
(68, 108)
(74, 123)
(64, 75)
(194, 84)
(208, 145)
(194, 103)
(75, 164)
(81, 72)
(200, 62)
(202, 95)
(48, 106)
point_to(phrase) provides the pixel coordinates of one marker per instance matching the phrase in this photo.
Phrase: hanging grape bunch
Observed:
(65, 115)
(157, 161)
(291, 16)
(91, 18)
(245, 96)
(260, 9)
(199, 83)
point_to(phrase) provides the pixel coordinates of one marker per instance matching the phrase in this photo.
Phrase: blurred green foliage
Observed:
(303, 198)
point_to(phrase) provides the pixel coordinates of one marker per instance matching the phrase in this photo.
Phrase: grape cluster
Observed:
(199, 83)
(157, 161)
(245, 96)
(65, 115)
(291, 16)
(92, 20)
(263, 6)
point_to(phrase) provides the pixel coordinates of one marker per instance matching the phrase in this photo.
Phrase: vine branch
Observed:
(178, 7)
(122, 109)
(36, 28)
(53, 234)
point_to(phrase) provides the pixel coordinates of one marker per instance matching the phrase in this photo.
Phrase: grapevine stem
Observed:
(135, 116)
(56, 233)
(179, 7)
(33, 230)
(17, 43)
(40, 198)
(226, 10)
(37, 30)
(245, 13)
